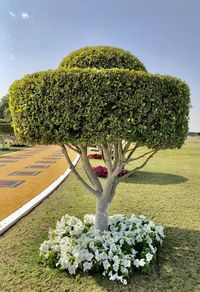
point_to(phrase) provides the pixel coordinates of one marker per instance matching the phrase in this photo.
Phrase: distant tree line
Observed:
(4, 109)
(6, 130)
(194, 134)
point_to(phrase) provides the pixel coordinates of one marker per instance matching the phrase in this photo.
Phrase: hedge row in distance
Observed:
(6, 129)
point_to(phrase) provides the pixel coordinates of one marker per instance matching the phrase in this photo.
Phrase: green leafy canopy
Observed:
(98, 95)
(102, 57)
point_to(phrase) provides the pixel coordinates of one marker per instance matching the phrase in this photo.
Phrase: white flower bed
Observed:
(128, 244)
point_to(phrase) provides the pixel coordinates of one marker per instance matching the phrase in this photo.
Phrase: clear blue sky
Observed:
(165, 35)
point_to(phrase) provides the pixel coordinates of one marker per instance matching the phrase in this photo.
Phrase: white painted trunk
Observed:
(3, 143)
(102, 206)
(101, 217)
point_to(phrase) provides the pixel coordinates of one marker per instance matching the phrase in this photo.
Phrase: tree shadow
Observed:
(155, 178)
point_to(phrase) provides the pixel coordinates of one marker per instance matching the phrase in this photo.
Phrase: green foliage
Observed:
(100, 105)
(7, 115)
(102, 57)
(51, 261)
(4, 109)
(3, 105)
(5, 129)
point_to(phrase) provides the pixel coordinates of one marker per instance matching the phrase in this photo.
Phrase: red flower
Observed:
(95, 156)
(101, 171)
(123, 172)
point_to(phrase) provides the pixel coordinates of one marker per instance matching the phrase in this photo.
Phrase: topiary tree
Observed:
(102, 96)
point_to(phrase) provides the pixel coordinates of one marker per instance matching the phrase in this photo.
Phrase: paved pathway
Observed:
(24, 174)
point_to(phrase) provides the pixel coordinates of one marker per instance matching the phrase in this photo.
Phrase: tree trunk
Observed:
(102, 206)
(101, 217)
(3, 142)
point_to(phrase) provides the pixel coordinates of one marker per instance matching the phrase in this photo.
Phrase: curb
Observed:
(9, 221)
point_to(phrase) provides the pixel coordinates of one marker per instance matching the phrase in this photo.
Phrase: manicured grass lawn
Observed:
(11, 149)
(167, 191)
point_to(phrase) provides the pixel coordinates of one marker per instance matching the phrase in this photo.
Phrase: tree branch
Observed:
(88, 176)
(120, 152)
(76, 149)
(116, 155)
(136, 158)
(126, 147)
(107, 159)
(137, 168)
(113, 191)
(131, 152)
(119, 161)
(73, 168)
(88, 169)
(101, 151)
(132, 148)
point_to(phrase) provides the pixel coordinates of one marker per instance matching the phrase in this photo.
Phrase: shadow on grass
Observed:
(155, 178)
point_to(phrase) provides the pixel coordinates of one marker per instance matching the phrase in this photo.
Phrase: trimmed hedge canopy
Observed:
(102, 57)
(75, 105)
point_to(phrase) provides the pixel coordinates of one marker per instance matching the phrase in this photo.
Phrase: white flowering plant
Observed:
(126, 246)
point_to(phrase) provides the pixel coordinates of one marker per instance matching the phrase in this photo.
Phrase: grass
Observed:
(167, 191)
(10, 149)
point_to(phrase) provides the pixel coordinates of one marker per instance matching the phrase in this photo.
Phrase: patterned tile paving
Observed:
(56, 157)
(22, 157)
(10, 157)
(6, 157)
(25, 150)
(50, 158)
(8, 161)
(25, 173)
(37, 166)
(10, 183)
(45, 161)
(28, 154)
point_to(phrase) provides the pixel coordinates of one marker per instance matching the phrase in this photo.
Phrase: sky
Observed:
(35, 35)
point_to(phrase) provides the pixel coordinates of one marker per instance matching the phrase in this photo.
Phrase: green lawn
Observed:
(11, 149)
(167, 191)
